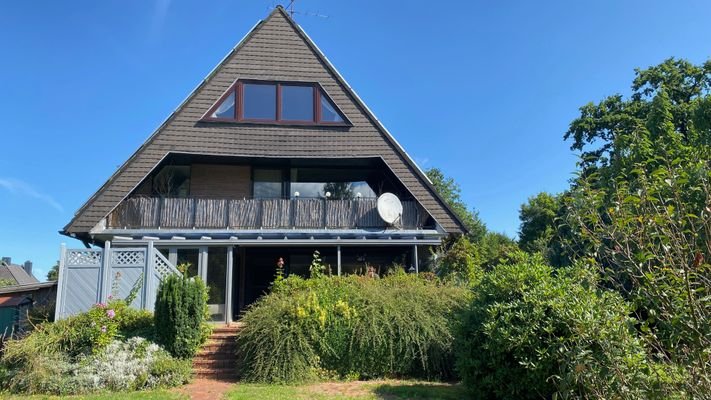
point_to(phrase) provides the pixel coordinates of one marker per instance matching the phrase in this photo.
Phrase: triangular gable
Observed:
(275, 49)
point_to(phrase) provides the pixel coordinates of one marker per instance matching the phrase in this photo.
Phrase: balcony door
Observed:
(216, 279)
(212, 265)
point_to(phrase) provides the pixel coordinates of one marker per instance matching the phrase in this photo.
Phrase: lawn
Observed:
(368, 390)
(152, 395)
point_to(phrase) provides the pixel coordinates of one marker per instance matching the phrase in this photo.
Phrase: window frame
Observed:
(238, 89)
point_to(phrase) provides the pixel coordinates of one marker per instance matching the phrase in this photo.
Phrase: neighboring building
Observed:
(16, 274)
(19, 297)
(271, 157)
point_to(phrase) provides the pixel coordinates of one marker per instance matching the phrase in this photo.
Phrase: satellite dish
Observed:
(389, 207)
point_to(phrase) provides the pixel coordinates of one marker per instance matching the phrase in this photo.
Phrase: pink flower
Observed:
(110, 313)
(111, 297)
(103, 329)
(101, 305)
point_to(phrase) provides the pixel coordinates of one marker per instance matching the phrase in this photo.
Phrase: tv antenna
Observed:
(290, 9)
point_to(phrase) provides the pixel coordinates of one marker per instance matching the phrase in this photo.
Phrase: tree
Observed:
(640, 207)
(53, 273)
(538, 222)
(451, 192)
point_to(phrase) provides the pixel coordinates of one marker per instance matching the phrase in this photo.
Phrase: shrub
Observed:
(459, 261)
(531, 332)
(132, 365)
(180, 311)
(353, 326)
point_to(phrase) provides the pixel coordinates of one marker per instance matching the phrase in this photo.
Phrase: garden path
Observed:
(206, 389)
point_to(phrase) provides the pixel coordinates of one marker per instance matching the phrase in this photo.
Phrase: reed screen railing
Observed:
(215, 213)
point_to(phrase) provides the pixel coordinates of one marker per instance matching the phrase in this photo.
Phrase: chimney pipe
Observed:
(28, 267)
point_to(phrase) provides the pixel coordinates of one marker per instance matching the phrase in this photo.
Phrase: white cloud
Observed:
(20, 188)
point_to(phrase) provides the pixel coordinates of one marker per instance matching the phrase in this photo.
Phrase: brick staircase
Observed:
(216, 358)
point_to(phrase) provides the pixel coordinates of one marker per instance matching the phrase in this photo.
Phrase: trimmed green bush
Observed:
(354, 327)
(532, 332)
(180, 310)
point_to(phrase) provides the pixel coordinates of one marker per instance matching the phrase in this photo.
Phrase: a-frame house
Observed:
(271, 157)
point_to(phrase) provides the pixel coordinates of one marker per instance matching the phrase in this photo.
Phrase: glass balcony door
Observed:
(216, 280)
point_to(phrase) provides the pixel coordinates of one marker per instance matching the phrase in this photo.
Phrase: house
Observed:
(271, 157)
(12, 274)
(20, 292)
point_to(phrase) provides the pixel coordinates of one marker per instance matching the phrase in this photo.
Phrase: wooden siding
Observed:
(275, 50)
(187, 213)
(212, 180)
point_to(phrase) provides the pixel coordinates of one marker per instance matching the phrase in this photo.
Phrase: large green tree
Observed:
(538, 223)
(451, 192)
(641, 206)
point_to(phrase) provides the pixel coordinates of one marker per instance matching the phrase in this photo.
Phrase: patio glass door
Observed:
(216, 280)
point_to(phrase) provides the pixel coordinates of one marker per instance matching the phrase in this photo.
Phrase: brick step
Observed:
(210, 351)
(223, 336)
(219, 346)
(216, 357)
(215, 373)
(214, 364)
(226, 329)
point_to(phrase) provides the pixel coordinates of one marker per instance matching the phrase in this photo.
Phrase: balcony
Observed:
(142, 212)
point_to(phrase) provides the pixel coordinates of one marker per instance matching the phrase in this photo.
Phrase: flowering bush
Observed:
(97, 350)
(103, 324)
(354, 326)
(135, 364)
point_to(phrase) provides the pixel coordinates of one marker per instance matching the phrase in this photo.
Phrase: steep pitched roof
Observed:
(17, 274)
(275, 49)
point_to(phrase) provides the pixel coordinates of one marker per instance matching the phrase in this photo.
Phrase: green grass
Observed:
(152, 395)
(368, 390)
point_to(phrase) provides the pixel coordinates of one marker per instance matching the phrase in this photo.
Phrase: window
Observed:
(297, 103)
(226, 109)
(277, 103)
(268, 183)
(172, 181)
(341, 184)
(259, 101)
(328, 111)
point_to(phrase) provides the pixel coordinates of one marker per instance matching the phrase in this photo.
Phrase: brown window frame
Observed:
(238, 89)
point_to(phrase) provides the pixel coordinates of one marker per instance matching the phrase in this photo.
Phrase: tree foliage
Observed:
(53, 273)
(531, 333)
(538, 223)
(451, 192)
(641, 203)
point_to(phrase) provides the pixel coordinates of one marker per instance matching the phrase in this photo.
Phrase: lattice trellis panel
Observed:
(163, 267)
(128, 257)
(83, 257)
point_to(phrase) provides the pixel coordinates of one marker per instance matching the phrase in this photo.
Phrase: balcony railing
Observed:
(210, 213)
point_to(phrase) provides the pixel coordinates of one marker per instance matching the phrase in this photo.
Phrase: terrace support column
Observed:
(228, 297)
(338, 258)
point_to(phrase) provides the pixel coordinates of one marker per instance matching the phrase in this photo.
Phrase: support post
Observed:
(338, 253)
(61, 281)
(105, 274)
(228, 296)
(148, 282)
(202, 264)
(415, 260)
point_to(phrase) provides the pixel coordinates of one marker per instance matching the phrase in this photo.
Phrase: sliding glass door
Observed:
(216, 282)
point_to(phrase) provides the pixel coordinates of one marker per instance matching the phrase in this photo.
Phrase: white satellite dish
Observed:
(389, 207)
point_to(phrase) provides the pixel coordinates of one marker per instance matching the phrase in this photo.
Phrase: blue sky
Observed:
(483, 90)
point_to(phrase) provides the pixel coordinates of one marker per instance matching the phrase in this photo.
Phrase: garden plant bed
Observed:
(153, 395)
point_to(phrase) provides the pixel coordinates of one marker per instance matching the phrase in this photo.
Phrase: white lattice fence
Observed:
(90, 276)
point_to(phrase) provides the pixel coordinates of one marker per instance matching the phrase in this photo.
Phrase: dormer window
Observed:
(291, 103)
